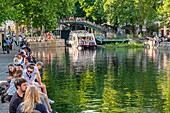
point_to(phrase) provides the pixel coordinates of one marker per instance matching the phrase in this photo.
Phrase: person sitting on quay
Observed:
(18, 59)
(31, 101)
(31, 58)
(11, 72)
(31, 80)
(33, 76)
(21, 86)
(12, 89)
(19, 67)
(26, 63)
(38, 66)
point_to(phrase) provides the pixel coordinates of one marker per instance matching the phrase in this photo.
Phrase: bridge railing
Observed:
(83, 20)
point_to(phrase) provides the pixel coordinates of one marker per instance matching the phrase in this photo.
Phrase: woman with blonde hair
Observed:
(31, 101)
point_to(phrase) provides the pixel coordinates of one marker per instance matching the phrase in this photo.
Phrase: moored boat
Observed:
(82, 39)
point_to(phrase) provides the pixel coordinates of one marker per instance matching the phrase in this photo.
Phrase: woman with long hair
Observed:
(11, 72)
(31, 101)
(12, 89)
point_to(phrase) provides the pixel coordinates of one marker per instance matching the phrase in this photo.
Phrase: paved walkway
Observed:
(5, 59)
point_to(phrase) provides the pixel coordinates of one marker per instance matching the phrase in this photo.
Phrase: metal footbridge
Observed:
(86, 23)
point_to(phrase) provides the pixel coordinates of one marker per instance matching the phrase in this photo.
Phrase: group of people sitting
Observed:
(25, 91)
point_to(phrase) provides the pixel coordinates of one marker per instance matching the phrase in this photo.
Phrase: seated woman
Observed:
(12, 89)
(31, 101)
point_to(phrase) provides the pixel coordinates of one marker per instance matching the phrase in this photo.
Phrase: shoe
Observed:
(53, 111)
(51, 101)
(3, 98)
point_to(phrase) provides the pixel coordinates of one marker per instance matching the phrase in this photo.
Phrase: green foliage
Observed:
(164, 15)
(94, 10)
(117, 12)
(79, 11)
(129, 45)
(132, 12)
(39, 12)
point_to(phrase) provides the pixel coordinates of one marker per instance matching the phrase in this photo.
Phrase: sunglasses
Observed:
(29, 71)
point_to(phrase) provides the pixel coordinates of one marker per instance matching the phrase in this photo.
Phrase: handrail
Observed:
(85, 21)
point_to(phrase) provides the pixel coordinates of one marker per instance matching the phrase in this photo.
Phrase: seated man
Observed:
(21, 86)
(38, 66)
(30, 77)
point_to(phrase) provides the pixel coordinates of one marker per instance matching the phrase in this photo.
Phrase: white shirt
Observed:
(12, 89)
(19, 39)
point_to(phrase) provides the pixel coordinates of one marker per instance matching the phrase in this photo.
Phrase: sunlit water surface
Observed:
(107, 80)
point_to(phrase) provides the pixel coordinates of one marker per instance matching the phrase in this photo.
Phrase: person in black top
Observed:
(21, 86)
(4, 46)
(31, 58)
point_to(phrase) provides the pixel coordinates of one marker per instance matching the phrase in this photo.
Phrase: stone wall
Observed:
(48, 44)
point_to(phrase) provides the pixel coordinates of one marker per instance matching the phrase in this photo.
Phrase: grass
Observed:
(122, 45)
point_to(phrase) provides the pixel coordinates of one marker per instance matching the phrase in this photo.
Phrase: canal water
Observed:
(107, 80)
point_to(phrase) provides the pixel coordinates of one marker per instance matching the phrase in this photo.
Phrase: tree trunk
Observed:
(42, 30)
(17, 30)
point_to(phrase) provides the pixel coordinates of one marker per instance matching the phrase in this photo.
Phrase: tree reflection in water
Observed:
(107, 80)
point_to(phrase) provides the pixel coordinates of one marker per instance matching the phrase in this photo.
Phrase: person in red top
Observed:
(48, 35)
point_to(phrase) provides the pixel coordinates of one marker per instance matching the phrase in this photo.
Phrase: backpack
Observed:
(4, 44)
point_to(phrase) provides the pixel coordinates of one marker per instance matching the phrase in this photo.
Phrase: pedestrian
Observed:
(11, 43)
(4, 46)
(8, 45)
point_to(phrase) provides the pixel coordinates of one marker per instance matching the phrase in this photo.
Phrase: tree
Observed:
(94, 10)
(120, 12)
(39, 12)
(164, 12)
(79, 11)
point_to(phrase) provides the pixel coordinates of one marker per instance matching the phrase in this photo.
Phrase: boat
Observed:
(82, 39)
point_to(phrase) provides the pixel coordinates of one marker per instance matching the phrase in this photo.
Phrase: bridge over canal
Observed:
(87, 24)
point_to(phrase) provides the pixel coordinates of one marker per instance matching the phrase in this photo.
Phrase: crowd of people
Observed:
(9, 42)
(24, 89)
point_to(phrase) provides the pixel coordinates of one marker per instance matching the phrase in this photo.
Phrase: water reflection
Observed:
(80, 60)
(107, 80)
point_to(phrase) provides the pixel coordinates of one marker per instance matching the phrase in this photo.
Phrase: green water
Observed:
(107, 80)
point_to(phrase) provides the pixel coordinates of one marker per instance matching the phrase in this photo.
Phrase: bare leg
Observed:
(44, 89)
(46, 101)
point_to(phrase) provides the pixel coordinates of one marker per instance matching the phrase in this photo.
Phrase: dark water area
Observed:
(107, 80)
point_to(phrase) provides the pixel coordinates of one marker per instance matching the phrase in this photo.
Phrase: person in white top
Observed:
(19, 40)
(36, 72)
